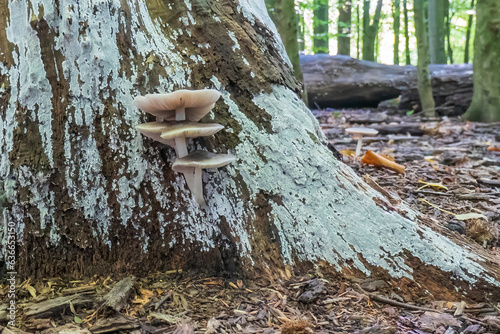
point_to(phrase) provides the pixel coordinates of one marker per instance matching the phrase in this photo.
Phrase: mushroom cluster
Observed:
(177, 115)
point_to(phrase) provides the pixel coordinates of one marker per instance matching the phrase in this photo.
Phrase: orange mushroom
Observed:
(377, 160)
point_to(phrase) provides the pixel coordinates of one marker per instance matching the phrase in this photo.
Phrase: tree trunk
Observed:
(448, 31)
(320, 27)
(358, 30)
(341, 82)
(344, 27)
(424, 81)
(396, 17)
(437, 31)
(470, 21)
(87, 194)
(286, 20)
(302, 33)
(485, 105)
(370, 31)
(407, 33)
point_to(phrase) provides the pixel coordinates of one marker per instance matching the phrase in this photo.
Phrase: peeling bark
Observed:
(89, 195)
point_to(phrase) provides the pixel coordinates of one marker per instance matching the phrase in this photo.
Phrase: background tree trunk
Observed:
(485, 105)
(344, 27)
(424, 81)
(321, 36)
(358, 29)
(89, 195)
(468, 33)
(396, 17)
(370, 31)
(437, 31)
(283, 14)
(448, 17)
(407, 33)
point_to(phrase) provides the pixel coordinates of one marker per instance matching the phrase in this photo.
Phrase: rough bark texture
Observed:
(423, 78)
(436, 15)
(89, 195)
(339, 81)
(344, 27)
(370, 31)
(320, 26)
(486, 99)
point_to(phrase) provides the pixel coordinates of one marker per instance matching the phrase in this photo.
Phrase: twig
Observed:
(396, 303)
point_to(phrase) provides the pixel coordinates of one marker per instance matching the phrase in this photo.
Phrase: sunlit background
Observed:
(459, 14)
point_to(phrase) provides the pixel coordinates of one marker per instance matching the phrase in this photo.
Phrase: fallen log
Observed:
(341, 82)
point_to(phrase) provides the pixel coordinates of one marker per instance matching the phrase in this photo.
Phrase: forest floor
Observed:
(461, 167)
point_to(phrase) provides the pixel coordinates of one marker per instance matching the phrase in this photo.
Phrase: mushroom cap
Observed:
(153, 130)
(197, 103)
(361, 131)
(190, 129)
(201, 159)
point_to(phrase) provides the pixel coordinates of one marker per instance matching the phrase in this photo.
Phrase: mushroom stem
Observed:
(358, 147)
(197, 189)
(180, 147)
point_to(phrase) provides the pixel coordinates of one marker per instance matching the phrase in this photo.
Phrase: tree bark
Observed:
(396, 17)
(370, 31)
(321, 36)
(407, 33)
(344, 27)
(424, 81)
(470, 21)
(485, 104)
(341, 82)
(437, 16)
(88, 194)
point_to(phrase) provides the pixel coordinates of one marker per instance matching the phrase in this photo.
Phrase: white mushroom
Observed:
(178, 131)
(154, 130)
(180, 105)
(193, 164)
(358, 133)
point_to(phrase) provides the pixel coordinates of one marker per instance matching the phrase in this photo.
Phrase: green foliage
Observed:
(458, 14)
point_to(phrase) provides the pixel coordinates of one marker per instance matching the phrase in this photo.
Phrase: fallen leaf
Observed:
(348, 153)
(31, 290)
(377, 160)
(494, 148)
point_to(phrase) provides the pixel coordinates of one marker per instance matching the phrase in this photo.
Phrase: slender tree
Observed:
(358, 29)
(396, 15)
(470, 21)
(436, 14)
(320, 26)
(370, 31)
(485, 106)
(424, 82)
(407, 33)
(448, 32)
(344, 27)
(85, 194)
(284, 16)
